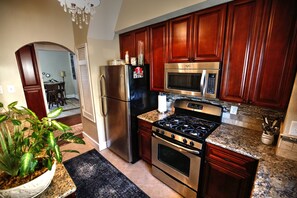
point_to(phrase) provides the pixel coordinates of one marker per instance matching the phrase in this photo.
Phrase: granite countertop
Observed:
(61, 186)
(276, 176)
(154, 115)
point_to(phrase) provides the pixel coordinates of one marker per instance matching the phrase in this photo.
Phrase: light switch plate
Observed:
(233, 110)
(293, 128)
(1, 89)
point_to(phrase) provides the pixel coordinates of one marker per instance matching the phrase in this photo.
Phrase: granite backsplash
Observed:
(248, 116)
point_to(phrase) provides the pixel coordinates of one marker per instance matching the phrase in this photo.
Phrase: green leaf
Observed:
(70, 137)
(3, 144)
(54, 113)
(51, 140)
(26, 163)
(57, 125)
(3, 118)
(47, 162)
(16, 122)
(58, 153)
(64, 126)
(11, 105)
(30, 112)
(1, 104)
(9, 164)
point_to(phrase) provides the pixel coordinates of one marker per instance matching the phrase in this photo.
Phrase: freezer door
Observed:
(118, 128)
(115, 82)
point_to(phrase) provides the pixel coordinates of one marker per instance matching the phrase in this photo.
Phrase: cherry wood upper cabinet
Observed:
(158, 55)
(198, 36)
(277, 58)
(127, 44)
(209, 29)
(180, 39)
(260, 56)
(143, 36)
(29, 73)
(244, 19)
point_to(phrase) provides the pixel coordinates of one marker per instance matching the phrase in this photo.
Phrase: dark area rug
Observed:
(94, 176)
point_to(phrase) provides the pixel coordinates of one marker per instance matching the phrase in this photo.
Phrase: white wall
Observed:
(24, 22)
(139, 13)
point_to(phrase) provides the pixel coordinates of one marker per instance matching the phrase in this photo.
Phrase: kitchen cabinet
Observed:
(180, 39)
(260, 53)
(129, 42)
(228, 174)
(158, 55)
(198, 36)
(145, 140)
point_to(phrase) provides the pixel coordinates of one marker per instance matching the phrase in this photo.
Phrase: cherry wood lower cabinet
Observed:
(145, 140)
(228, 174)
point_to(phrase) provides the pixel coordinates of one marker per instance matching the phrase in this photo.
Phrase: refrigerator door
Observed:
(115, 82)
(118, 127)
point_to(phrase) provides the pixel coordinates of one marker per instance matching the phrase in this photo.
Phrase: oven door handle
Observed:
(180, 147)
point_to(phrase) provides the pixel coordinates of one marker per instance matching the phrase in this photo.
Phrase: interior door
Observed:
(29, 72)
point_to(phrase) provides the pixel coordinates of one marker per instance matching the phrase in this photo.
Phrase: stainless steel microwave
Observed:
(193, 79)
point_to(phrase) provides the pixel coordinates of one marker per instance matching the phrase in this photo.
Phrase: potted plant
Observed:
(29, 148)
(270, 130)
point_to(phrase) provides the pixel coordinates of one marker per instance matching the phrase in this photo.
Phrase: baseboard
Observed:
(96, 145)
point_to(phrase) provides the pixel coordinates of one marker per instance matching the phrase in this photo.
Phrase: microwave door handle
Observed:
(202, 83)
(102, 78)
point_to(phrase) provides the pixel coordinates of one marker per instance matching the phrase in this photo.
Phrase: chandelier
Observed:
(80, 10)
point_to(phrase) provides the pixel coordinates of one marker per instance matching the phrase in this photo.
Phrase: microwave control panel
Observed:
(211, 83)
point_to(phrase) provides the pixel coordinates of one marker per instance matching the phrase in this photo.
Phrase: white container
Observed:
(267, 139)
(162, 104)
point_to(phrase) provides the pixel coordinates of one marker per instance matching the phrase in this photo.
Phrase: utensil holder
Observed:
(267, 139)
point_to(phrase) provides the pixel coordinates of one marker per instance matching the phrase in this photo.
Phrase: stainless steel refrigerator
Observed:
(125, 93)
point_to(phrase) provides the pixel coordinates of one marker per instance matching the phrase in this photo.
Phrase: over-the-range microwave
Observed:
(193, 79)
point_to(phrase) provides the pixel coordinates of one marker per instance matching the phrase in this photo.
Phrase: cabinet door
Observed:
(276, 63)
(127, 44)
(228, 174)
(242, 26)
(209, 29)
(145, 140)
(180, 39)
(158, 55)
(142, 35)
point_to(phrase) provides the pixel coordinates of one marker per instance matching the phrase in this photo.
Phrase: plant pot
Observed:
(32, 188)
(267, 139)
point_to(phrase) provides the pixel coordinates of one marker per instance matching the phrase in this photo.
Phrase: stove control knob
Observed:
(158, 130)
(172, 136)
(192, 143)
(162, 132)
(185, 140)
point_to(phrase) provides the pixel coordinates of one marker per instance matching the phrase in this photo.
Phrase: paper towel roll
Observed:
(162, 105)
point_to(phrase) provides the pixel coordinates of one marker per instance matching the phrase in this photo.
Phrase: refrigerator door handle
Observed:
(102, 78)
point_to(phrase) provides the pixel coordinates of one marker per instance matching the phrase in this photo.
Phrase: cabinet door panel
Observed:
(127, 44)
(276, 67)
(209, 29)
(240, 34)
(180, 39)
(158, 55)
(142, 35)
(223, 183)
(145, 146)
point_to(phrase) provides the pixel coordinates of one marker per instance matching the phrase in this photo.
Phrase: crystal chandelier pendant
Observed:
(81, 10)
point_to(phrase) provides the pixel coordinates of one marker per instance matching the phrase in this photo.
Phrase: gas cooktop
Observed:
(192, 127)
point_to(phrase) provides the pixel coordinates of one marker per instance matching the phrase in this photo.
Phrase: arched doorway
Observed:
(41, 65)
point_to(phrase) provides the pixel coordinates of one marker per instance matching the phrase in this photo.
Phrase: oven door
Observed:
(181, 163)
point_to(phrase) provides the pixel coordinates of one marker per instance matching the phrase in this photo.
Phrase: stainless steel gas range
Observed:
(178, 144)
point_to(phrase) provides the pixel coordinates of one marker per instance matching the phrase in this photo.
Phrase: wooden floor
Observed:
(71, 120)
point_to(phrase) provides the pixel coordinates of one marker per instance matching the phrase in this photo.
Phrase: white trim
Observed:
(97, 146)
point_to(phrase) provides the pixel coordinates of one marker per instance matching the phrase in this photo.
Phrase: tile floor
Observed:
(139, 173)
